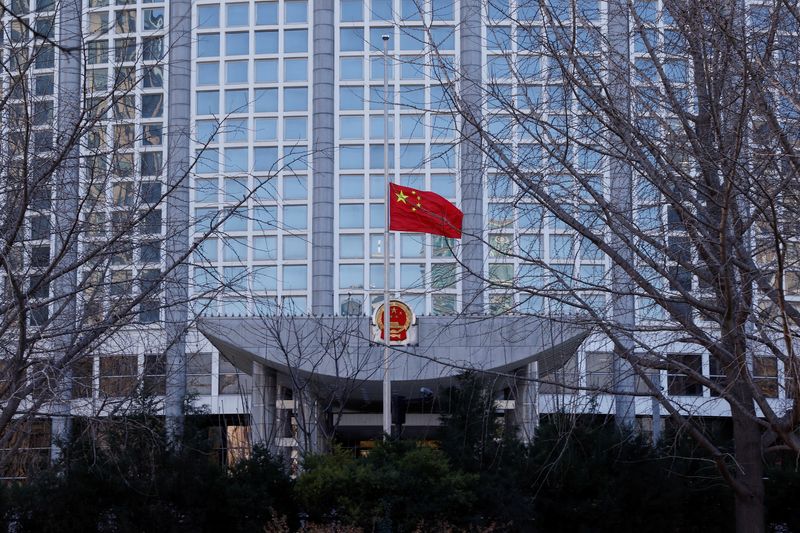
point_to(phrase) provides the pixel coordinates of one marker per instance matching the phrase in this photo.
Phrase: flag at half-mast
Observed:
(423, 211)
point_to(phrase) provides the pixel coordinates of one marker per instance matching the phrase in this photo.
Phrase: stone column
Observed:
(322, 160)
(307, 416)
(263, 415)
(526, 403)
(66, 185)
(621, 178)
(471, 157)
(176, 283)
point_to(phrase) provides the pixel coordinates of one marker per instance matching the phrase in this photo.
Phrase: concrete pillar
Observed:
(176, 283)
(471, 157)
(263, 415)
(322, 160)
(526, 405)
(621, 178)
(66, 185)
(307, 416)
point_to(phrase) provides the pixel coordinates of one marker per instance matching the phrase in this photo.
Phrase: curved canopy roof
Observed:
(334, 347)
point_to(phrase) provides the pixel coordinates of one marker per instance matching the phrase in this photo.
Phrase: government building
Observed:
(252, 132)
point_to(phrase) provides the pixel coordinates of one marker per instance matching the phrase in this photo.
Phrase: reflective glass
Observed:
(351, 216)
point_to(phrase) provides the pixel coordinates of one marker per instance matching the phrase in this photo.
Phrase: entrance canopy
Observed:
(333, 348)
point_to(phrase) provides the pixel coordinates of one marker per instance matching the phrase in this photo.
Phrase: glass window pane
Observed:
(208, 73)
(351, 186)
(294, 247)
(351, 39)
(267, 42)
(295, 99)
(237, 43)
(295, 277)
(266, 129)
(295, 11)
(412, 276)
(266, 70)
(295, 41)
(351, 216)
(236, 71)
(208, 16)
(238, 14)
(295, 217)
(265, 278)
(265, 248)
(351, 276)
(295, 188)
(295, 69)
(208, 45)
(266, 13)
(351, 246)
(351, 10)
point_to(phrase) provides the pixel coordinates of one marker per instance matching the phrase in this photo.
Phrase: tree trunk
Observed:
(750, 512)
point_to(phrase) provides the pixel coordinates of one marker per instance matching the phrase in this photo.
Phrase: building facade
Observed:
(257, 127)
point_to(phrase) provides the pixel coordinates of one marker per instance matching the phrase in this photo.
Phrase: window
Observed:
(118, 375)
(265, 279)
(267, 42)
(266, 13)
(381, 9)
(231, 380)
(294, 129)
(198, 373)
(351, 276)
(208, 45)
(295, 277)
(351, 39)
(765, 375)
(237, 43)
(295, 99)
(295, 217)
(443, 276)
(412, 276)
(680, 384)
(295, 41)
(351, 10)
(236, 101)
(153, 18)
(351, 246)
(208, 16)
(235, 71)
(152, 105)
(266, 100)
(237, 14)
(265, 248)
(82, 377)
(155, 374)
(351, 216)
(295, 11)
(351, 186)
(599, 371)
(294, 247)
(266, 70)
(295, 69)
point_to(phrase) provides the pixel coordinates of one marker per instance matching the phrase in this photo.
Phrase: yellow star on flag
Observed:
(401, 197)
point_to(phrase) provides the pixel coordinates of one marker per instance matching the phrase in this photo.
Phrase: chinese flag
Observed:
(426, 212)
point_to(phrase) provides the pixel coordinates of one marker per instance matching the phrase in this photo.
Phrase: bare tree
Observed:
(90, 242)
(641, 163)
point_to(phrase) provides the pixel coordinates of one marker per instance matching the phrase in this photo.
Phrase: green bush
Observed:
(397, 486)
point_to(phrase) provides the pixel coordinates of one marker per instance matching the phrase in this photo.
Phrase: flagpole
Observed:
(387, 383)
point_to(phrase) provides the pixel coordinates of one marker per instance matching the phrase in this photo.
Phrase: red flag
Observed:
(422, 211)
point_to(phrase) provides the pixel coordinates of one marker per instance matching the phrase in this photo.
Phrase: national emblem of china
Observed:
(402, 324)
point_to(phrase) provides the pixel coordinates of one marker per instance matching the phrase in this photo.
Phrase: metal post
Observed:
(387, 383)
